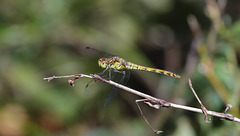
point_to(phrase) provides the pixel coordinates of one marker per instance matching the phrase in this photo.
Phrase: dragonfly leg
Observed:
(109, 74)
(122, 79)
(101, 73)
(125, 76)
(122, 72)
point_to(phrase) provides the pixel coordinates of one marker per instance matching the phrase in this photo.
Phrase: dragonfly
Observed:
(113, 63)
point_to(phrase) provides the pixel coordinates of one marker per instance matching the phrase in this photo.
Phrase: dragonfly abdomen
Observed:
(133, 66)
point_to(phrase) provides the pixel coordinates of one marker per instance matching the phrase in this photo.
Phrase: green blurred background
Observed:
(196, 39)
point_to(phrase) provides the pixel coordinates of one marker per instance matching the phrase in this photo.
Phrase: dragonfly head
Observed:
(102, 62)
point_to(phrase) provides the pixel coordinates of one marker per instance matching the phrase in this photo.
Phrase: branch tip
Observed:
(190, 82)
(228, 106)
(71, 82)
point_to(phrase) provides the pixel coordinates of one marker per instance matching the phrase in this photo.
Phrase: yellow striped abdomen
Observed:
(133, 66)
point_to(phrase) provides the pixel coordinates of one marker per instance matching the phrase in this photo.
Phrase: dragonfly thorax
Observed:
(112, 63)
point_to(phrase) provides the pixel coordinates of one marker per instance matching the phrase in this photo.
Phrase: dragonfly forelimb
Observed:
(101, 73)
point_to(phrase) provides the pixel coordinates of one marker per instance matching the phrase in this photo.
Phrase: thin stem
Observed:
(152, 101)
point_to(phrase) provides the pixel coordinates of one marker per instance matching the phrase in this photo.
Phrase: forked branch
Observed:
(155, 102)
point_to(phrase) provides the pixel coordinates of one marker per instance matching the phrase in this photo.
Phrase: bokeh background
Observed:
(196, 39)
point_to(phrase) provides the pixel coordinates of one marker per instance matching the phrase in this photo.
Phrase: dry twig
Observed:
(152, 101)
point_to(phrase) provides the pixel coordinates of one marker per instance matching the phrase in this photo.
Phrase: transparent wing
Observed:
(91, 86)
(94, 87)
(122, 78)
(89, 51)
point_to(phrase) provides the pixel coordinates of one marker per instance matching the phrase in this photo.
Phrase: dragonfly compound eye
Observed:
(102, 62)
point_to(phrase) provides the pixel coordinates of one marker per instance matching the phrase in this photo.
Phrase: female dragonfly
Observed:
(116, 64)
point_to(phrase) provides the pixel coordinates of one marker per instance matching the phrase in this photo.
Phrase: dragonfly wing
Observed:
(94, 87)
(122, 78)
(126, 77)
(89, 51)
(112, 93)
(89, 85)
